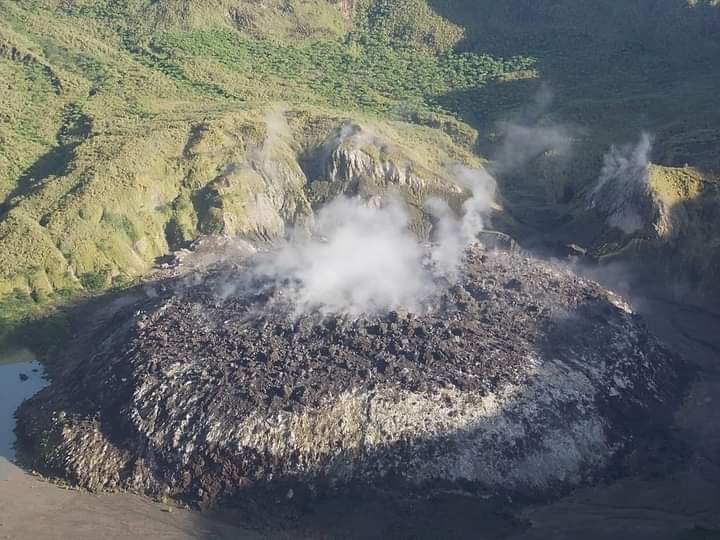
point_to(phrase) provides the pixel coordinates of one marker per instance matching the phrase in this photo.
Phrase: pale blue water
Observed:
(13, 391)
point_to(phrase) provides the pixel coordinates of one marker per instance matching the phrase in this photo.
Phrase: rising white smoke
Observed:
(359, 259)
(477, 208)
(448, 237)
(362, 257)
(531, 135)
(277, 132)
(452, 235)
(622, 190)
(522, 143)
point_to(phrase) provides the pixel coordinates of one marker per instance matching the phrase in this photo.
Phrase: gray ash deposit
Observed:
(519, 377)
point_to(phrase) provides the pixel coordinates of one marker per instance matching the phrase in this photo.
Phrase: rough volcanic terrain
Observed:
(519, 378)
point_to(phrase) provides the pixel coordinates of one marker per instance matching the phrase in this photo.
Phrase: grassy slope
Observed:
(100, 100)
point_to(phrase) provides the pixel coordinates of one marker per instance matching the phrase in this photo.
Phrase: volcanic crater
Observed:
(520, 377)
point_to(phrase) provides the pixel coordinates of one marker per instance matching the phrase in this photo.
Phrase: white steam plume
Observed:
(622, 190)
(362, 258)
(529, 136)
(477, 208)
(448, 237)
(452, 235)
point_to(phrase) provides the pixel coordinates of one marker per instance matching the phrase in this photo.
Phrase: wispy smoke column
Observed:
(451, 235)
(522, 144)
(446, 252)
(476, 209)
(530, 136)
(622, 190)
(277, 132)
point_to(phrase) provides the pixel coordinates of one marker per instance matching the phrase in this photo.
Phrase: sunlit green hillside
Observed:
(118, 117)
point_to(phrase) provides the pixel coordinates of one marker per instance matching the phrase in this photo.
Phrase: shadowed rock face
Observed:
(519, 378)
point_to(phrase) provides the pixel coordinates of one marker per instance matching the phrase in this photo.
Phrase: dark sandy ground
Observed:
(680, 503)
(31, 508)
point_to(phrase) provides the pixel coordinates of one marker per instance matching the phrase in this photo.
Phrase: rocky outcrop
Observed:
(358, 162)
(236, 175)
(639, 207)
(361, 160)
(665, 228)
(519, 378)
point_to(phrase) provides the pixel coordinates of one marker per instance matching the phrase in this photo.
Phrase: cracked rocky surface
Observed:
(521, 378)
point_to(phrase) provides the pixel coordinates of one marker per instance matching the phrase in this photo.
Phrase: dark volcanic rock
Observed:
(521, 378)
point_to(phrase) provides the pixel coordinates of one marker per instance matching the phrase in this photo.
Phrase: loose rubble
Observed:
(520, 378)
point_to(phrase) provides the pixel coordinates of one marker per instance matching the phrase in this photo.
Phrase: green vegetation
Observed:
(31, 320)
(122, 122)
(373, 78)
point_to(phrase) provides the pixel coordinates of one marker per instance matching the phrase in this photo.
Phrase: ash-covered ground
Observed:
(519, 377)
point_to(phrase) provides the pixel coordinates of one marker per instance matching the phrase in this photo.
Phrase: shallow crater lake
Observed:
(21, 376)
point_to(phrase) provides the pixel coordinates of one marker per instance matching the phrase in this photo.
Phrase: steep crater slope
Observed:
(235, 174)
(130, 128)
(674, 248)
(520, 378)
